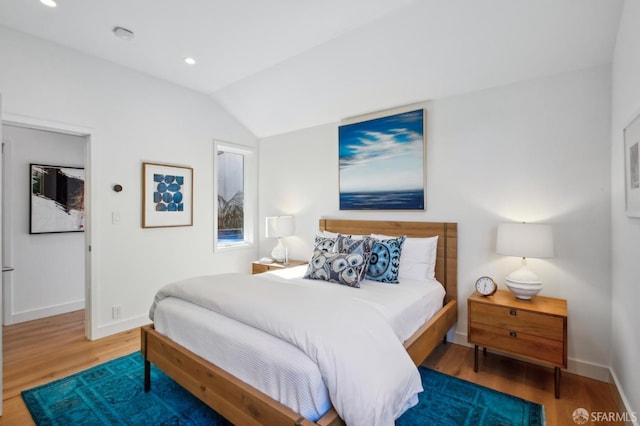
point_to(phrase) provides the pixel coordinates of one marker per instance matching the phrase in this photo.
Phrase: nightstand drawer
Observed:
(519, 320)
(517, 342)
(258, 268)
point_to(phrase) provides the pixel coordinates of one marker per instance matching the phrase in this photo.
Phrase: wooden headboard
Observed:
(447, 259)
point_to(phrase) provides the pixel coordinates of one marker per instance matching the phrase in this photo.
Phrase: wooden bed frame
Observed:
(242, 404)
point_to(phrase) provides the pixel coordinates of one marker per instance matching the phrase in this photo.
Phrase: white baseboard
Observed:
(589, 369)
(46, 311)
(120, 326)
(575, 366)
(634, 415)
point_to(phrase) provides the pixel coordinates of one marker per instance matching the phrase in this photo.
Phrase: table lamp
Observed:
(279, 227)
(524, 240)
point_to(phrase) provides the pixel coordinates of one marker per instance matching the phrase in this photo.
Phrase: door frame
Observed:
(7, 233)
(90, 203)
(1, 280)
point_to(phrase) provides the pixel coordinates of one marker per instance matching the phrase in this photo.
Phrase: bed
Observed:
(242, 403)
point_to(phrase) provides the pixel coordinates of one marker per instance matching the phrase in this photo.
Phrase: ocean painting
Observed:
(382, 163)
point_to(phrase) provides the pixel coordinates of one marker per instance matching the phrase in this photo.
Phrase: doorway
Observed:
(43, 223)
(49, 251)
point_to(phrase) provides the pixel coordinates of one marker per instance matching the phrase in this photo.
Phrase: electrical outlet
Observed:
(116, 312)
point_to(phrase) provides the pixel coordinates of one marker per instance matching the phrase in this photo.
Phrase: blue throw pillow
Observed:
(384, 262)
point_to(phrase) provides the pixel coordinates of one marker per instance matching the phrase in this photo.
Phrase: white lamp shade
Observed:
(524, 240)
(279, 226)
(531, 240)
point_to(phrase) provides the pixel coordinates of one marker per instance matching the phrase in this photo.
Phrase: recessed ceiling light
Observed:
(50, 3)
(189, 60)
(123, 33)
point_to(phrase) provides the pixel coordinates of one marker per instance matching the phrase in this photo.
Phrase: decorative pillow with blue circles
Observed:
(324, 243)
(342, 268)
(384, 262)
(346, 244)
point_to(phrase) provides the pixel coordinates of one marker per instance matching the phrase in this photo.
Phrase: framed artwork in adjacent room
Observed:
(167, 195)
(382, 163)
(56, 203)
(632, 167)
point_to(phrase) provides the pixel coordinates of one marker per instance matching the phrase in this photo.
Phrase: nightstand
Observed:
(258, 268)
(534, 330)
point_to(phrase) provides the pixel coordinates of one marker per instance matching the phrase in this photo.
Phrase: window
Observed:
(234, 169)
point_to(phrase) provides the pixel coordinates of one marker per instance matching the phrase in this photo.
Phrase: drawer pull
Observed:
(513, 334)
(513, 312)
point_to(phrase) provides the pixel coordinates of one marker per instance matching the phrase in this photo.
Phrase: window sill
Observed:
(234, 246)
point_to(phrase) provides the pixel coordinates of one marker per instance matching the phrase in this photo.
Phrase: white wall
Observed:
(625, 348)
(132, 118)
(536, 151)
(49, 275)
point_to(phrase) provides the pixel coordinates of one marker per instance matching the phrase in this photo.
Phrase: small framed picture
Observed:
(632, 167)
(167, 195)
(56, 203)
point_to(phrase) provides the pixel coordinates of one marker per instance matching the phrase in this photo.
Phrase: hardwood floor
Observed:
(528, 381)
(41, 351)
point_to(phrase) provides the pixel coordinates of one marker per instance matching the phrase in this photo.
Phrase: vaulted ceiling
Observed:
(282, 65)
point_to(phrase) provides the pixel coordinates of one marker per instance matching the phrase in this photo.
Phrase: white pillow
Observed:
(357, 237)
(418, 257)
(327, 234)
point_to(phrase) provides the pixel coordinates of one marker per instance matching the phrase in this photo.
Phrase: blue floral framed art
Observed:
(382, 163)
(167, 195)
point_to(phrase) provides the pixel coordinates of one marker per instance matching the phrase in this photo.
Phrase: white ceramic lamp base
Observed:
(524, 283)
(279, 252)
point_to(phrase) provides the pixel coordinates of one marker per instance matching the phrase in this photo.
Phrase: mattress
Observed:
(276, 367)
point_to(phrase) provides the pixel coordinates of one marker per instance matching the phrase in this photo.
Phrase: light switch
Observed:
(115, 218)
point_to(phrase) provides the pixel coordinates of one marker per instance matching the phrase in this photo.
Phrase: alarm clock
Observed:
(486, 286)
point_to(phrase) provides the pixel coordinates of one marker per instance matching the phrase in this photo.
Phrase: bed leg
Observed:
(147, 376)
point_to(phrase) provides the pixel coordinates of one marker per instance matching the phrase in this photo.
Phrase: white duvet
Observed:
(369, 376)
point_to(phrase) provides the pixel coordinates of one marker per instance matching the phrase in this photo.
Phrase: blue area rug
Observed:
(112, 394)
(448, 401)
